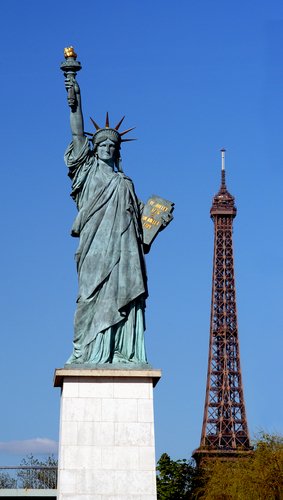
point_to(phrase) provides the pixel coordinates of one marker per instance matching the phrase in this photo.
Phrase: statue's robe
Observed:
(109, 321)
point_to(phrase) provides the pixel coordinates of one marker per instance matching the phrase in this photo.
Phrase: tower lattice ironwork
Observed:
(224, 430)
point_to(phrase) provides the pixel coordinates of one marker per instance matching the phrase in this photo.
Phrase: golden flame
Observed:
(70, 52)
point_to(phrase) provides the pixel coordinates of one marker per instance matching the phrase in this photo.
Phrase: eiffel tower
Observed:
(224, 430)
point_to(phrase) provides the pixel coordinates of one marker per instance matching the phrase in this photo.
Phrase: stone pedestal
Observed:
(106, 442)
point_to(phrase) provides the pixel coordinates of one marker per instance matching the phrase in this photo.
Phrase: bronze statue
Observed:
(109, 320)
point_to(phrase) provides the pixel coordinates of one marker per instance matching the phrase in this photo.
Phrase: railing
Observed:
(27, 477)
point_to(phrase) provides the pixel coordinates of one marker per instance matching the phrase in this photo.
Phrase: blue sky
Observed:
(193, 77)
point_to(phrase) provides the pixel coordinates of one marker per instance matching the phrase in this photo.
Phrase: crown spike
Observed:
(126, 131)
(95, 124)
(118, 124)
(107, 120)
(128, 140)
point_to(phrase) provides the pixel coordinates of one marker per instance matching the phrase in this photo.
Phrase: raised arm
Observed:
(76, 115)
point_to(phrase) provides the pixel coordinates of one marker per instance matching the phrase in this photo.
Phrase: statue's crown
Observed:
(106, 132)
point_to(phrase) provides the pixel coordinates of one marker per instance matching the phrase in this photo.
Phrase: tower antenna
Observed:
(223, 180)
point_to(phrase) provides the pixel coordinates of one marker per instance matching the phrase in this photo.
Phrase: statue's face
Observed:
(106, 150)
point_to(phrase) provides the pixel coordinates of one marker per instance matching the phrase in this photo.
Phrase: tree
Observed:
(38, 474)
(174, 478)
(6, 481)
(259, 477)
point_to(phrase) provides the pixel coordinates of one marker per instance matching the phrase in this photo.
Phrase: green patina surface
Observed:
(109, 320)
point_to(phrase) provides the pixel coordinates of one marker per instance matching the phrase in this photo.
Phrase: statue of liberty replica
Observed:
(115, 230)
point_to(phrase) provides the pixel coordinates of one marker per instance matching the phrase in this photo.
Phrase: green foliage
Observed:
(174, 478)
(256, 477)
(38, 478)
(6, 481)
(32, 461)
(259, 477)
(37, 474)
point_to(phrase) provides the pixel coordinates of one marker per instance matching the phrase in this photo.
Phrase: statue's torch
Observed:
(70, 67)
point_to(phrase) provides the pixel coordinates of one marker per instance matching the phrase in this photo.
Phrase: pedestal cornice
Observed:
(64, 373)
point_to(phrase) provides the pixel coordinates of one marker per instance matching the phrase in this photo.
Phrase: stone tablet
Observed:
(157, 214)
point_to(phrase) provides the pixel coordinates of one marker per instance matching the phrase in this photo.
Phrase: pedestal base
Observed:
(106, 442)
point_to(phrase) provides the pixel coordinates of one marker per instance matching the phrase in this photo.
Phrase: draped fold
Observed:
(109, 258)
